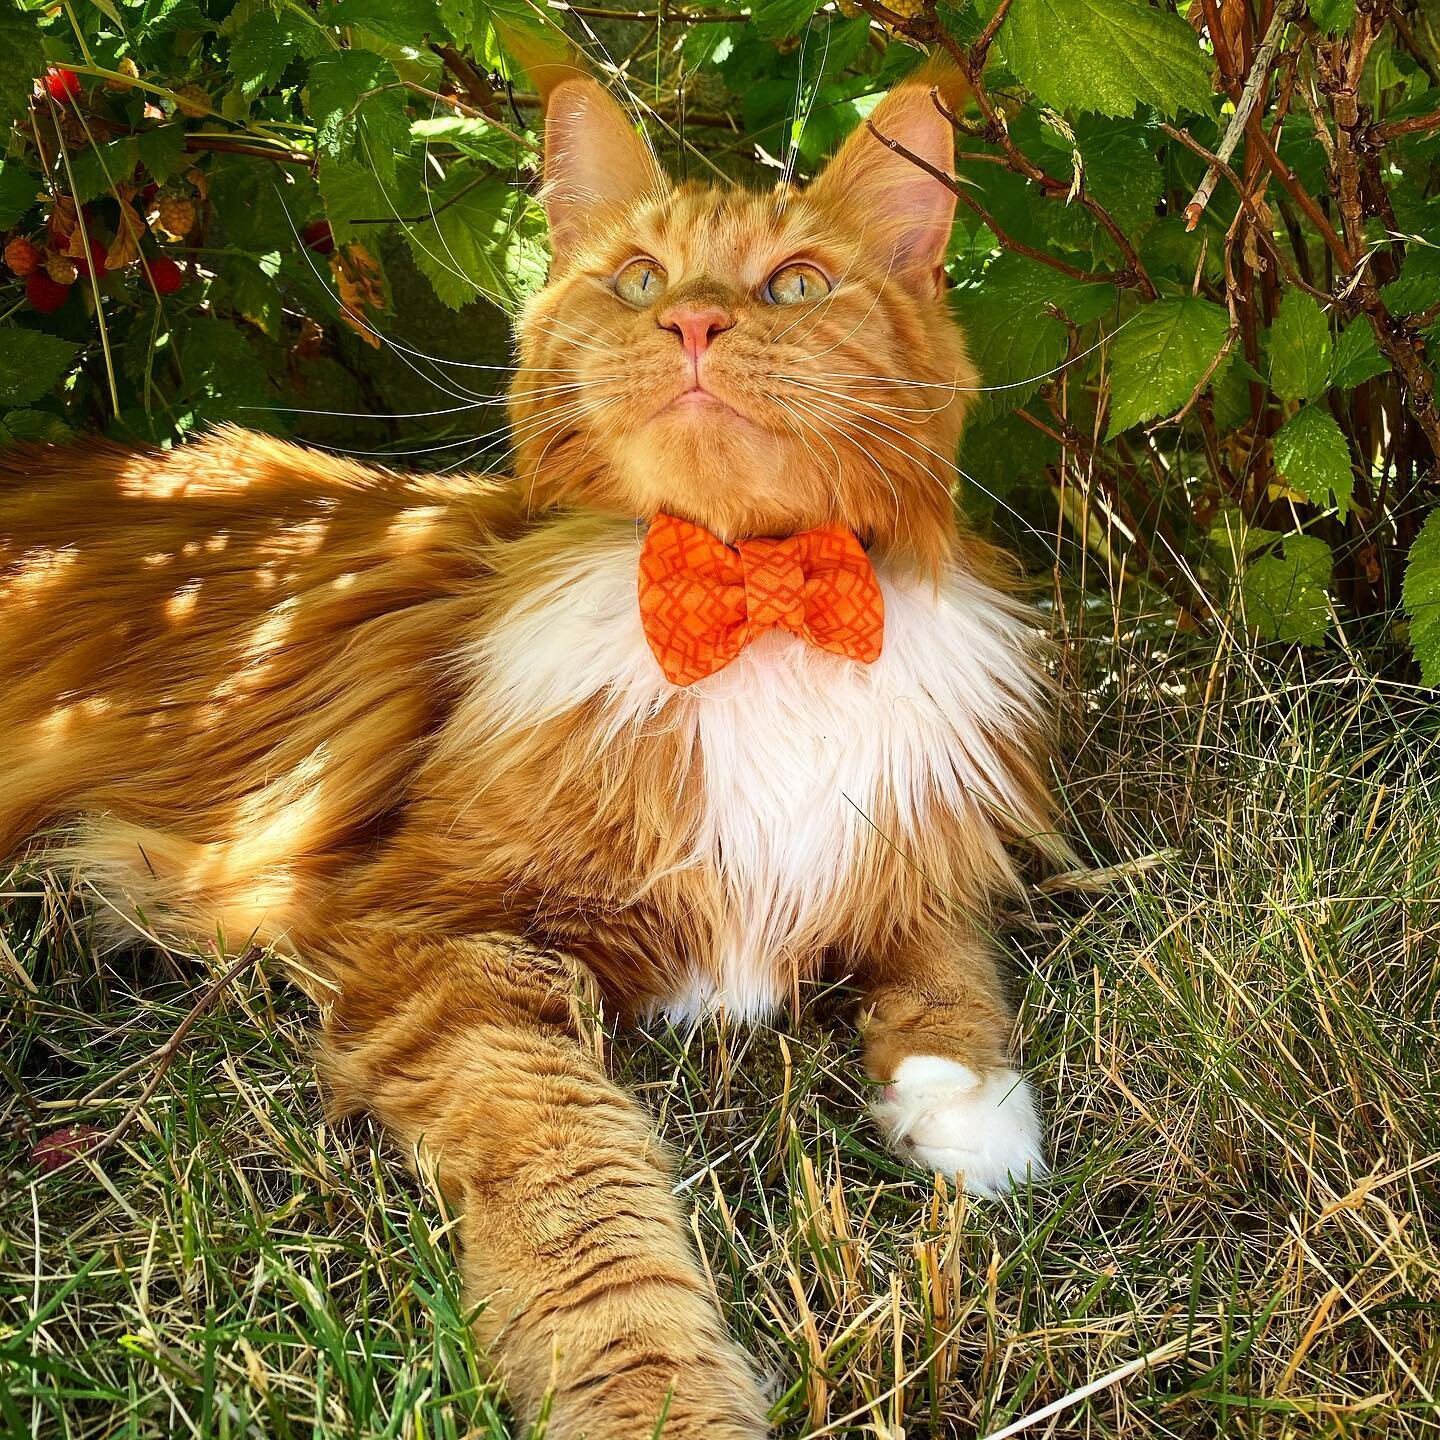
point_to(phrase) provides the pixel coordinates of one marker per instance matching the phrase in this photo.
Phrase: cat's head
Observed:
(758, 362)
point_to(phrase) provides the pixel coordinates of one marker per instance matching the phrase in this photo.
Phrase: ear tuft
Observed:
(594, 160)
(905, 211)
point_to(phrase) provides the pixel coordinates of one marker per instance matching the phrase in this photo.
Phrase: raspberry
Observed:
(907, 9)
(62, 84)
(60, 1146)
(177, 215)
(96, 260)
(192, 100)
(61, 268)
(165, 275)
(22, 256)
(316, 236)
(45, 294)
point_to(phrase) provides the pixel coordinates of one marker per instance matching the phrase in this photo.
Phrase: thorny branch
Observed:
(1256, 83)
(1268, 58)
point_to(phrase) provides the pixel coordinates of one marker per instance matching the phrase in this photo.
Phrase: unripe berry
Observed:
(192, 100)
(22, 256)
(128, 68)
(61, 268)
(176, 215)
(45, 294)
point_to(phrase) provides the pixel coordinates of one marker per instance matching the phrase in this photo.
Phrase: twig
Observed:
(1302, 197)
(162, 1057)
(1254, 85)
(662, 17)
(1007, 241)
(223, 144)
(995, 133)
(470, 112)
(477, 87)
(1252, 209)
(1342, 83)
(1379, 134)
(1073, 443)
(981, 48)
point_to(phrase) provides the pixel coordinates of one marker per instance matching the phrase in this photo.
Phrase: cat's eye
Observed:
(640, 283)
(792, 284)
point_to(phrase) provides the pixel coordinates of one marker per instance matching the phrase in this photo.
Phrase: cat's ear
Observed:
(594, 160)
(906, 214)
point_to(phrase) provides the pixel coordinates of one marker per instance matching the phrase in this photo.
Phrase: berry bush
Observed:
(1197, 251)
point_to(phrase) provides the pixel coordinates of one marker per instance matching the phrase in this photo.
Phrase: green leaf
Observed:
(1421, 596)
(1312, 457)
(1357, 358)
(1121, 173)
(1013, 359)
(30, 364)
(463, 20)
(403, 22)
(1015, 340)
(477, 138)
(97, 168)
(22, 59)
(485, 240)
(255, 206)
(19, 190)
(352, 191)
(1299, 348)
(162, 151)
(359, 110)
(1106, 55)
(1333, 17)
(248, 282)
(998, 455)
(33, 425)
(224, 379)
(776, 19)
(1285, 591)
(266, 43)
(1418, 287)
(1159, 357)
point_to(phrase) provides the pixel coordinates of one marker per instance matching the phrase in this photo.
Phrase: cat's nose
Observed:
(696, 325)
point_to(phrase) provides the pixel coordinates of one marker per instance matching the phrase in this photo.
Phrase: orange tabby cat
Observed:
(418, 732)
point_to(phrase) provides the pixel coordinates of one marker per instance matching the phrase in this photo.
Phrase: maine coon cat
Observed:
(710, 697)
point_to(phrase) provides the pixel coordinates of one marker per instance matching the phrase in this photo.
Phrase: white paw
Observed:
(943, 1116)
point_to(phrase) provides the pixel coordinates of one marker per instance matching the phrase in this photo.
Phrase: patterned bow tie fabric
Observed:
(703, 601)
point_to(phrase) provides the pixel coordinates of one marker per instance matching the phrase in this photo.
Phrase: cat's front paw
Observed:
(944, 1116)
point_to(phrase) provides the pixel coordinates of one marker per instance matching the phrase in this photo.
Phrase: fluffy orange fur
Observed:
(244, 690)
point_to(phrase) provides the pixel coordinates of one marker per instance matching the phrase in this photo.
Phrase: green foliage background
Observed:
(1236, 416)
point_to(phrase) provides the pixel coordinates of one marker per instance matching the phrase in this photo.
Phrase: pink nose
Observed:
(696, 325)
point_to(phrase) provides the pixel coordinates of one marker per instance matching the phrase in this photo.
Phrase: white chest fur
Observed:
(799, 748)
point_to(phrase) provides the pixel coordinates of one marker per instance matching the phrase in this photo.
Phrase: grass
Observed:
(1232, 1026)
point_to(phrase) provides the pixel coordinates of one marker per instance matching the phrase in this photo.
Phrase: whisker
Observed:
(861, 400)
(950, 465)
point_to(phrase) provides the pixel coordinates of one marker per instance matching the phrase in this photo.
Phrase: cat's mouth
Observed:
(696, 397)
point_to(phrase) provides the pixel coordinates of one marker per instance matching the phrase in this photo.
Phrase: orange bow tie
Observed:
(702, 601)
